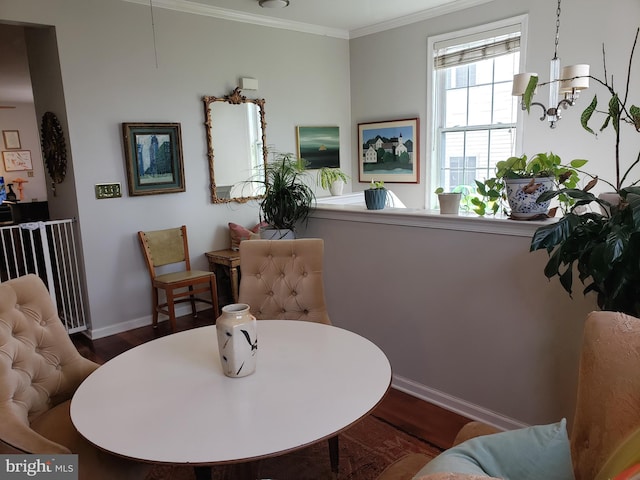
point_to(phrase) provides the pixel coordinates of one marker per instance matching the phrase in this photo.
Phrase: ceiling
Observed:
(339, 18)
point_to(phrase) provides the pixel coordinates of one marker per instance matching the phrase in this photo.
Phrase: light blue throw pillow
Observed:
(532, 453)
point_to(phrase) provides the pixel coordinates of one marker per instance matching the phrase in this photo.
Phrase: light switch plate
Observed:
(108, 190)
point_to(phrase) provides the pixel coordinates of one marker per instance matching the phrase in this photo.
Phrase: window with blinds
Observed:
(474, 112)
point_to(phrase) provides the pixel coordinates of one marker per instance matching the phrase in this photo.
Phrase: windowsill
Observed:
(414, 217)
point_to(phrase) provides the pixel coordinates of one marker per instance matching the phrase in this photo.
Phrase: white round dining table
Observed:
(168, 401)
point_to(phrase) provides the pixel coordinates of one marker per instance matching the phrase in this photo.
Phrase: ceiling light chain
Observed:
(568, 82)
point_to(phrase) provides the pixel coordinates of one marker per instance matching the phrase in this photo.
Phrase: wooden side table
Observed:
(229, 260)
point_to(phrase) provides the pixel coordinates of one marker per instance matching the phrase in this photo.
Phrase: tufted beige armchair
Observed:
(40, 369)
(282, 279)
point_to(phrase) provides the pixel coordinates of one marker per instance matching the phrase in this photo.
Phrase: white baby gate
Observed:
(48, 250)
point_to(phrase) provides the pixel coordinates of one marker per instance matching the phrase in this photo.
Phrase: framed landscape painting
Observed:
(388, 151)
(319, 146)
(153, 155)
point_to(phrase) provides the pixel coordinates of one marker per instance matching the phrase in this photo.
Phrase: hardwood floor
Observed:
(408, 413)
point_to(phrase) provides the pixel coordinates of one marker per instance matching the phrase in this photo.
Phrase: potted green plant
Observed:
(604, 245)
(375, 197)
(449, 201)
(519, 181)
(332, 179)
(287, 199)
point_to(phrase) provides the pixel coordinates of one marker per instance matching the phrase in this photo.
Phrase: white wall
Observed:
(109, 76)
(389, 75)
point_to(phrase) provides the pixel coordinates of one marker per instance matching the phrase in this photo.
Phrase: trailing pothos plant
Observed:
(602, 245)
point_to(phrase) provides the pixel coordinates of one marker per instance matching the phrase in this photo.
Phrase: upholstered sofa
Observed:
(40, 369)
(605, 432)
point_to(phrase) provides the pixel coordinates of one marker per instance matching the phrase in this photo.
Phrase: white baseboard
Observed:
(454, 404)
(95, 334)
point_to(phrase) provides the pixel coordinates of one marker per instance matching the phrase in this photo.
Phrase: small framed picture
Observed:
(319, 146)
(11, 139)
(15, 161)
(153, 155)
(388, 151)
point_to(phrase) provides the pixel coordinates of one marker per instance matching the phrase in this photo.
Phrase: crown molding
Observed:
(195, 8)
(416, 17)
(186, 6)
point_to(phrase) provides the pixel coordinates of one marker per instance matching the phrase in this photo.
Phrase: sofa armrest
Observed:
(472, 430)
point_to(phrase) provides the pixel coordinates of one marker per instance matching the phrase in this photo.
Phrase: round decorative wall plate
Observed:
(53, 147)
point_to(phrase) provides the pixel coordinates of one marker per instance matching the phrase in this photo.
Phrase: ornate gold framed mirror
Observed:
(236, 146)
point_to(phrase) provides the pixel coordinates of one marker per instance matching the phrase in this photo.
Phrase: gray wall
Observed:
(109, 76)
(389, 75)
(466, 318)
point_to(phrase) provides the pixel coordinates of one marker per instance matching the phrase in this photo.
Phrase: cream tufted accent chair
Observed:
(282, 279)
(40, 369)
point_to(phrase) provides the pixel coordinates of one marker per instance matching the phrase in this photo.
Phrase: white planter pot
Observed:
(276, 234)
(449, 203)
(336, 188)
(523, 205)
(611, 197)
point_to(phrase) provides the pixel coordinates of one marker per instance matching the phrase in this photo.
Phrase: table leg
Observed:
(202, 473)
(334, 453)
(233, 273)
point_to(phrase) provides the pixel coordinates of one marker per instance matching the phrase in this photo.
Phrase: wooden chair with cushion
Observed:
(282, 279)
(40, 369)
(605, 435)
(167, 247)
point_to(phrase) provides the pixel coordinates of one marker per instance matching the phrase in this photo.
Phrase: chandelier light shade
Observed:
(565, 84)
(274, 3)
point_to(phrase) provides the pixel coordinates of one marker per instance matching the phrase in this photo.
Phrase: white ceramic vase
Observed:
(237, 332)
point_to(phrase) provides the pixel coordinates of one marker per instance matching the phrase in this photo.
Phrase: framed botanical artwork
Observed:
(319, 146)
(153, 156)
(388, 151)
(15, 161)
(11, 139)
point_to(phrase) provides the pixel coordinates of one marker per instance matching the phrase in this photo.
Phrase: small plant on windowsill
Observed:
(375, 196)
(449, 201)
(332, 179)
(519, 181)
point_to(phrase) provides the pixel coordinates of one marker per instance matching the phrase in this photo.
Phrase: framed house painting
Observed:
(388, 151)
(319, 146)
(153, 156)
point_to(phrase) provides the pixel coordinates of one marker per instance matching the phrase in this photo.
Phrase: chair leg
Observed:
(171, 309)
(214, 296)
(334, 454)
(154, 306)
(194, 312)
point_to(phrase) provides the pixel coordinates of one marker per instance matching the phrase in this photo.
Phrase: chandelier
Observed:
(564, 84)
